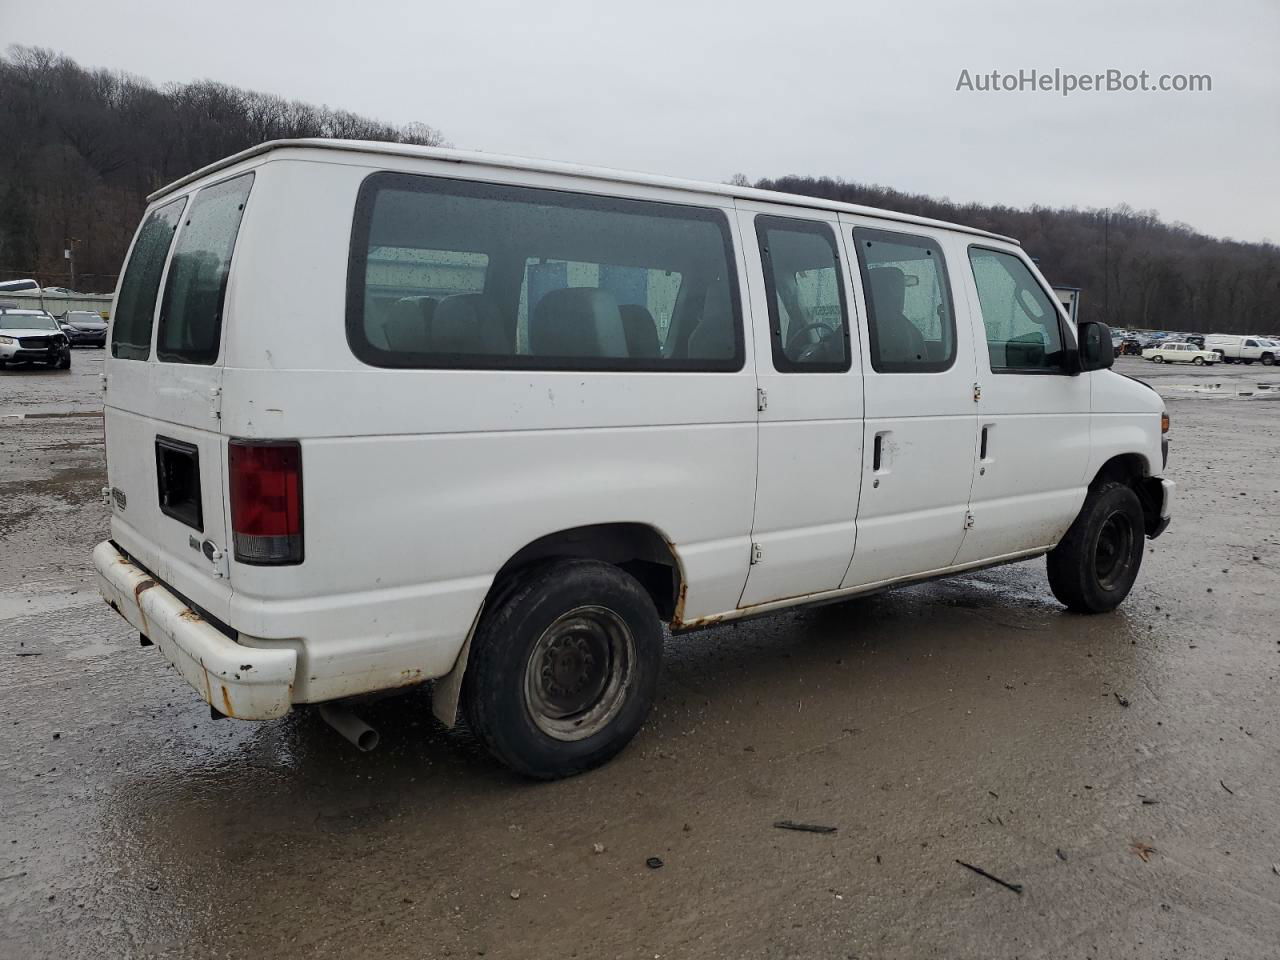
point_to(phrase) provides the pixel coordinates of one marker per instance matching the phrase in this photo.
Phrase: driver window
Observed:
(808, 322)
(1020, 320)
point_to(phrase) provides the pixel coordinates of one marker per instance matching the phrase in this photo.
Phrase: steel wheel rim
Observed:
(1111, 555)
(578, 674)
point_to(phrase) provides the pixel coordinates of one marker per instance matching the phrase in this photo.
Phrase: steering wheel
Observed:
(811, 351)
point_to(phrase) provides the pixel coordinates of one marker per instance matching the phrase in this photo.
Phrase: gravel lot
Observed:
(1122, 769)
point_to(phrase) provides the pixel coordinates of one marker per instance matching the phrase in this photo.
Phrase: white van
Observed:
(378, 414)
(1236, 349)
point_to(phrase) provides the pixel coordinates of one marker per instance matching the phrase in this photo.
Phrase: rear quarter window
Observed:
(136, 304)
(194, 294)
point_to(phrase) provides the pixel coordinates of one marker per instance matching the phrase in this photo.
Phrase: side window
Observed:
(191, 311)
(538, 279)
(808, 322)
(1021, 322)
(911, 324)
(1251, 343)
(140, 287)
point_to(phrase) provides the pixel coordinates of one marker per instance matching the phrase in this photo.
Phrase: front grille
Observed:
(34, 343)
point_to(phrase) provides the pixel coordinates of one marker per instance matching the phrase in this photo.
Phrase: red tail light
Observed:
(266, 501)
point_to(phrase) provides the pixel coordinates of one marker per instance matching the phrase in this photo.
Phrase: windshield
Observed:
(27, 321)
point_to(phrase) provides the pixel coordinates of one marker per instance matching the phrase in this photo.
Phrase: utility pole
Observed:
(1106, 266)
(69, 254)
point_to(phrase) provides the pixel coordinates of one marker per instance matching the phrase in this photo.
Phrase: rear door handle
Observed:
(982, 449)
(876, 449)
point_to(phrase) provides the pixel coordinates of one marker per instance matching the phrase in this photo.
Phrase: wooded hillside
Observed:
(80, 150)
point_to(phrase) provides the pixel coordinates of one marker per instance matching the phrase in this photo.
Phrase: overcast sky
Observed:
(862, 91)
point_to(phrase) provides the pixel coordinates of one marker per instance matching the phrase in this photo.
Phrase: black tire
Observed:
(1095, 565)
(568, 716)
(1268, 359)
(1198, 361)
(1158, 358)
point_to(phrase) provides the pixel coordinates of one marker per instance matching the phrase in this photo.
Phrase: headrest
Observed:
(640, 330)
(888, 291)
(712, 338)
(468, 323)
(577, 322)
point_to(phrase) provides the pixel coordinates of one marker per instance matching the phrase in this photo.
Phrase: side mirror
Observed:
(1096, 349)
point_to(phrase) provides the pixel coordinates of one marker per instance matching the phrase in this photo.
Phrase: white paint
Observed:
(420, 484)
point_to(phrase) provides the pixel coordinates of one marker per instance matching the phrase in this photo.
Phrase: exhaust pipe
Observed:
(359, 733)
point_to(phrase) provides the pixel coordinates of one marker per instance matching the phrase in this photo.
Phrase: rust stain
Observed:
(190, 616)
(408, 678)
(677, 618)
(226, 702)
(143, 585)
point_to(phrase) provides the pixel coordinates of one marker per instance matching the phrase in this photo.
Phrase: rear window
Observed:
(136, 304)
(447, 273)
(191, 312)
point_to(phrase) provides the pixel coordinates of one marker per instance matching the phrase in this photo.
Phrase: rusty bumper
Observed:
(239, 681)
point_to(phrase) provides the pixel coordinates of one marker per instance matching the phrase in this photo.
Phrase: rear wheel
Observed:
(1268, 359)
(563, 667)
(1094, 567)
(1158, 358)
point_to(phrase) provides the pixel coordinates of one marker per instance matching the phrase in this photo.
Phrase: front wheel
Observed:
(1198, 361)
(1094, 567)
(563, 667)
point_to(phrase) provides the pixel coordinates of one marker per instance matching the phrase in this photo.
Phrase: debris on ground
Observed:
(804, 827)
(1061, 856)
(515, 894)
(1148, 801)
(1226, 788)
(1015, 887)
(653, 863)
(597, 848)
(1123, 701)
(1144, 851)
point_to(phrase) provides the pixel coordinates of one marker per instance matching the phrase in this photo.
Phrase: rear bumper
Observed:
(250, 683)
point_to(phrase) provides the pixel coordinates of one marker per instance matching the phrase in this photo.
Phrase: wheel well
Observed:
(637, 548)
(1131, 470)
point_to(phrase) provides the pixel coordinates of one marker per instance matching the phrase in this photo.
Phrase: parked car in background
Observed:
(1195, 338)
(1179, 352)
(1130, 347)
(84, 327)
(1238, 349)
(32, 336)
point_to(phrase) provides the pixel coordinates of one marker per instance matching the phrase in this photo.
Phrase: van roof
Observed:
(572, 169)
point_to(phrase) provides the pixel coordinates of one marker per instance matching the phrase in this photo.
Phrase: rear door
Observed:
(165, 453)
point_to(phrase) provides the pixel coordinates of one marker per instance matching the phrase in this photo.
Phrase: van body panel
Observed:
(911, 516)
(809, 469)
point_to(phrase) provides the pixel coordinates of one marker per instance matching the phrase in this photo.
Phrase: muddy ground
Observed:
(1123, 769)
